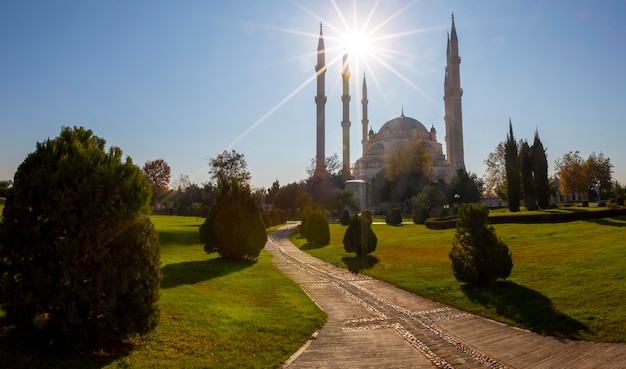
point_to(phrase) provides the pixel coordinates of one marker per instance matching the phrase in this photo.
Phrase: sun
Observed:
(358, 45)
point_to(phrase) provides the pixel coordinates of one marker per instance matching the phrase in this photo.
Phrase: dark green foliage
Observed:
(368, 215)
(540, 172)
(512, 171)
(345, 218)
(466, 185)
(317, 228)
(359, 236)
(5, 185)
(420, 216)
(394, 217)
(478, 256)
(303, 224)
(80, 255)
(234, 228)
(526, 171)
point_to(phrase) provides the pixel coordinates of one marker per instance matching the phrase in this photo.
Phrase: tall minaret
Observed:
(365, 122)
(452, 102)
(320, 102)
(345, 123)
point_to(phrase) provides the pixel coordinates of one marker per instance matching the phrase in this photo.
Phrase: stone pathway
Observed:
(372, 324)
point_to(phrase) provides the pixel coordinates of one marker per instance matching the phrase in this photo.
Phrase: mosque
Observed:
(377, 146)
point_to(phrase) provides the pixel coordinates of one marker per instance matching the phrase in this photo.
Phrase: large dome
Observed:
(402, 123)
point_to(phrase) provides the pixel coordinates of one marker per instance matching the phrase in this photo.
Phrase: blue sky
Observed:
(184, 80)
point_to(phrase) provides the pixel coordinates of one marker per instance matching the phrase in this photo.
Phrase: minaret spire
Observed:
(365, 121)
(452, 102)
(320, 102)
(345, 123)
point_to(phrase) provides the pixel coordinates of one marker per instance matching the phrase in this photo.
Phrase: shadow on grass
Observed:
(608, 222)
(311, 246)
(192, 272)
(355, 263)
(180, 238)
(526, 307)
(18, 350)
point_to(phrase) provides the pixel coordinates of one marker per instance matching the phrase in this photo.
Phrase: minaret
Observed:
(365, 122)
(345, 123)
(320, 102)
(452, 102)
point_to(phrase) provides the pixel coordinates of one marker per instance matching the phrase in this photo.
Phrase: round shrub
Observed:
(359, 236)
(317, 228)
(345, 218)
(420, 216)
(394, 217)
(234, 227)
(478, 256)
(80, 255)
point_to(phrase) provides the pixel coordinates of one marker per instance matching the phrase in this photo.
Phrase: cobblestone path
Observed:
(373, 324)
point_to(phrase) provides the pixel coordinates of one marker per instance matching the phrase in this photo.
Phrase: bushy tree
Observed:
(158, 174)
(234, 227)
(317, 229)
(512, 171)
(359, 236)
(80, 257)
(478, 256)
(229, 165)
(394, 217)
(495, 173)
(466, 185)
(5, 186)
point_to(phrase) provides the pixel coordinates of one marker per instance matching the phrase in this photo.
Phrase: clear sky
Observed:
(184, 80)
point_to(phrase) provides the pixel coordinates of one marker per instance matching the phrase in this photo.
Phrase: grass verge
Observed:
(568, 278)
(213, 314)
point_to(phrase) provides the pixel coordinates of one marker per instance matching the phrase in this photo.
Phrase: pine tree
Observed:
(478, 256)
(234, 227)
(79, 254)
(512, 170)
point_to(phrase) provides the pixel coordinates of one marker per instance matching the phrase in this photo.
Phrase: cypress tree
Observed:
(540, 171)
(526, 161)
(512, 170)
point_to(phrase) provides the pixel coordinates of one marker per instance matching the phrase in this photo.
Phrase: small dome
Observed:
(403, 123)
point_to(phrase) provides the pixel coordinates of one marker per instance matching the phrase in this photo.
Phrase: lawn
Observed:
(568, 279)
(213, 314)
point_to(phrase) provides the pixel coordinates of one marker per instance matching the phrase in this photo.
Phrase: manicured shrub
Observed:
(359, 236)
(420, 216)
(234, 227)
(345, 218)
(368, 215)
(275, 217)
(267, 222)
(80, 258)
(317, 228)
(394, 217)
(478, 256)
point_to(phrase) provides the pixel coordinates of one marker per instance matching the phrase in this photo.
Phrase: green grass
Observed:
(568, 279)
(213, 313)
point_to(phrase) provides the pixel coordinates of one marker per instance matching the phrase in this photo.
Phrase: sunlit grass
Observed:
(213, 313)
(568, 278)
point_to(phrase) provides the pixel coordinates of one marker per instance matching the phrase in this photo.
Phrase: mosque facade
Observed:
(378, 146)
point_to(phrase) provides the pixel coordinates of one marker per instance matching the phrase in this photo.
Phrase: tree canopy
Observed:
(158, 174)
(229, 165)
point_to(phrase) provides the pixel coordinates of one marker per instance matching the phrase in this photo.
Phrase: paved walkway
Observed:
(372, 324)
